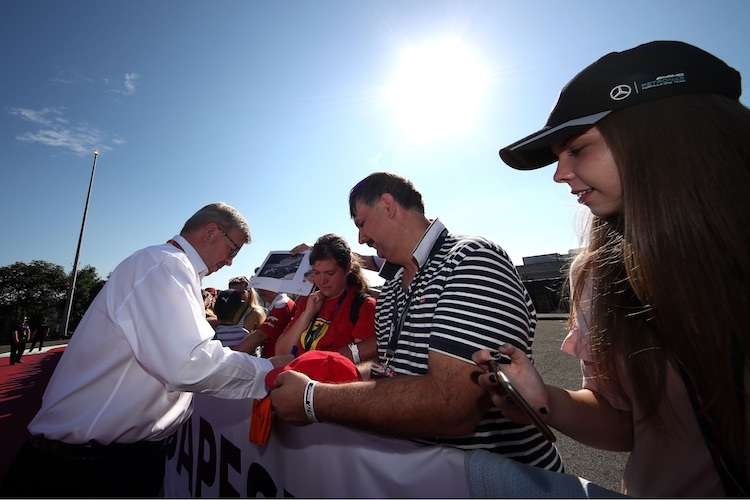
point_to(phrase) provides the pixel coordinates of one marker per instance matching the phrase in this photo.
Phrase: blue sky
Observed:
(279, 107)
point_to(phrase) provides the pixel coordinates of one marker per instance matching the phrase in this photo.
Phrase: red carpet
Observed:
(21, 388)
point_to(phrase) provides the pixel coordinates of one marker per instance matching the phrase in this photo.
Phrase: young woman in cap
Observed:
(655, 142)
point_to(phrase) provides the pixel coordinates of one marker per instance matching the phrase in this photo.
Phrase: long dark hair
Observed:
(671, 272)
(334, 247)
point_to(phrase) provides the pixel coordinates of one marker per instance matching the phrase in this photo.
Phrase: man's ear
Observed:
(389, 204)
(208, 231)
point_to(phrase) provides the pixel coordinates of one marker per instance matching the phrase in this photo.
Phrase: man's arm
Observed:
(185, 359)
(251, 341)
(445, 402)
(368, 350)
(368, 262)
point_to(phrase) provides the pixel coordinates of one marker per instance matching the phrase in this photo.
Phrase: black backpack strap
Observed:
(356, 305)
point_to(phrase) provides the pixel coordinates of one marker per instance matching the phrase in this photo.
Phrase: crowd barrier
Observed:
(211, 456)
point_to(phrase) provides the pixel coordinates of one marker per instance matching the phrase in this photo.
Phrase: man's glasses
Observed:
(236, 246)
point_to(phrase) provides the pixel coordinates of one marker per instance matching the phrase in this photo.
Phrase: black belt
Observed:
(95, 451)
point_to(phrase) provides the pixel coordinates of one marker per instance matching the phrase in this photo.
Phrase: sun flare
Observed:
(436, 90)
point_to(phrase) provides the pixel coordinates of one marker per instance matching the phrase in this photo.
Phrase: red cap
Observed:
(323, 366)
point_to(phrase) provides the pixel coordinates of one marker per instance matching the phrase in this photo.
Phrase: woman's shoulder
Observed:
(255, 312)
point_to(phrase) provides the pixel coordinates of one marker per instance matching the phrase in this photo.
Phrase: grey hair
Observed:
(221, 214)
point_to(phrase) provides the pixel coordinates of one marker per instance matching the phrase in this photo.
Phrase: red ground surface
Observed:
(21, 388)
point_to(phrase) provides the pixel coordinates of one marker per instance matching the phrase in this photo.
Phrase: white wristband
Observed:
(355, 353)
(309, 410)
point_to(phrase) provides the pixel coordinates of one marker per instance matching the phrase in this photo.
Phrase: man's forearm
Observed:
(403, 406)
(251, 341)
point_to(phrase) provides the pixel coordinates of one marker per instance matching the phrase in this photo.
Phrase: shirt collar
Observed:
(279, 298)
(421, 253)
(192, 255)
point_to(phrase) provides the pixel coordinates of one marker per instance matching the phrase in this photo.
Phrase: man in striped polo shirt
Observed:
(445, 297)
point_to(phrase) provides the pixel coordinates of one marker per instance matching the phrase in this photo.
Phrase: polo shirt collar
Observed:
(280, 297)
(421, 253)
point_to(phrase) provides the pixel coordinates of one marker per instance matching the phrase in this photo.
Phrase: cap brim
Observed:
(533, 151)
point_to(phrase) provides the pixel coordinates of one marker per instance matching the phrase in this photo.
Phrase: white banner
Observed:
(211, 456)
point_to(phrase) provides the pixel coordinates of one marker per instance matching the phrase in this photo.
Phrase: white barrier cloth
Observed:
(211, 456)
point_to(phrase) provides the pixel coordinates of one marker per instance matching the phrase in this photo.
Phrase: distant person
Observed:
(309, 277)
(338, 315)
(653, 140)
(252, 314)
(40, 333)
(229, 304)
(18, 338)
(208, 304)
(281, 308)
(444, 296)
(126, 380)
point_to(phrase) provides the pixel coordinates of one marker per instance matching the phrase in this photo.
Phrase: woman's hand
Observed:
(314, 302)
(522, 374)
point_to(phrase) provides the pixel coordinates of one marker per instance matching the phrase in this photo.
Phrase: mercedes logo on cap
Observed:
(620, 92)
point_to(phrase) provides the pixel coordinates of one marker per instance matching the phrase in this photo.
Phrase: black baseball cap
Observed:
(228, 302)
(618, 80)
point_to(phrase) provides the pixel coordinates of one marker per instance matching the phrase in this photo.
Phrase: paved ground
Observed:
(562, 370)
(22, 386)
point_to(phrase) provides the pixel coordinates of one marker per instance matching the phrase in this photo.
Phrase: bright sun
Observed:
(436, 90)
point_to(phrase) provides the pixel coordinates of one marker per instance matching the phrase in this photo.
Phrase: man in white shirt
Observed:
(127, 378)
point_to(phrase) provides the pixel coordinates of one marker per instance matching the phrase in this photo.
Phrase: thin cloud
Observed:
(71, 77)
(128, 84)
(55, 131)
(130, 79)
(45, 116)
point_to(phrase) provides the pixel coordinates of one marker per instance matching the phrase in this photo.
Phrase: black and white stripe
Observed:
(467, 297)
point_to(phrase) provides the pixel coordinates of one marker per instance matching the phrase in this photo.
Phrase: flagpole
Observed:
(74, 274)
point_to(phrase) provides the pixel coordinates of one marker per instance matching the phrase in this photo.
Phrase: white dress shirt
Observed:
(140, 352)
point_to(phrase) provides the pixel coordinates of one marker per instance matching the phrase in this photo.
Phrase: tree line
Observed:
(39, 290)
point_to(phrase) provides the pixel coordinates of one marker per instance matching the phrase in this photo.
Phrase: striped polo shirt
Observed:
(466, 296)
